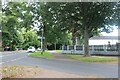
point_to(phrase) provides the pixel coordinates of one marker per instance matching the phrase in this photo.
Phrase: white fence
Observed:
(93, 49)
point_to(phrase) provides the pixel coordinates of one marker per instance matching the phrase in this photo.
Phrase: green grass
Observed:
(58, 51)
(44, 55)
(93, 58)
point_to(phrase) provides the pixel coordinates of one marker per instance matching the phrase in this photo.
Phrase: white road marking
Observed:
(2, 63)
(10, 54)
(1, 56)
(6, 55)
(12, 60)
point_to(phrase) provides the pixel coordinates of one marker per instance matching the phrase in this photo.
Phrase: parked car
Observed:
(31, 49)
(7, 48)
(38, 49)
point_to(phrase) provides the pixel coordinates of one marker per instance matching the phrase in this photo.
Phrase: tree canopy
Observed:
(82, 19)
(62, 22)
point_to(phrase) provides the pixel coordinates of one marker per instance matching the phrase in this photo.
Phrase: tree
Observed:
(97, 16)
(45, 19)
(15, 17)
(83, 18)
(61, 21)
(28, 38)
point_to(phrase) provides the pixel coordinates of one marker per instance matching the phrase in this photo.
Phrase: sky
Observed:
(114, 33)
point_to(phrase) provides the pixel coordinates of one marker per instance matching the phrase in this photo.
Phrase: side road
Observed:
(73, 67)
(7, 52)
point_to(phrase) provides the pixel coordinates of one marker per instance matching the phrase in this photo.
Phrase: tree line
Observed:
(63, 23)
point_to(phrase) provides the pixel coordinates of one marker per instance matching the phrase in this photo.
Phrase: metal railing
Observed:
(93, 49)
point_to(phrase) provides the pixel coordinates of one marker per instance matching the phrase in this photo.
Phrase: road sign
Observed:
(42, 37)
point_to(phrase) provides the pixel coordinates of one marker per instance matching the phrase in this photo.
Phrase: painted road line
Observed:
(10, 54)
(12, 60)
(1, 63)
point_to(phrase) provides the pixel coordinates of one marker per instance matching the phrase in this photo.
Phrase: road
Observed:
(75, 67)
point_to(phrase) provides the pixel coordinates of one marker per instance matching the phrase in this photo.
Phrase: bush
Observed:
(13, 48)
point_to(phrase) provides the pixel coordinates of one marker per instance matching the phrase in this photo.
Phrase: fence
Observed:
(93, 49)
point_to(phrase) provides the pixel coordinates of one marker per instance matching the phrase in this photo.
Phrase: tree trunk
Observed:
(73, 40)
(73, 37)
(86, 42)
(55, 45)
(45, 39)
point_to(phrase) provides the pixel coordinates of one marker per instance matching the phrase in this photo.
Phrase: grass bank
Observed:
(93, 58)
(44, 55)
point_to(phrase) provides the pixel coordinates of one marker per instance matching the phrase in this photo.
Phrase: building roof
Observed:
(104, 38)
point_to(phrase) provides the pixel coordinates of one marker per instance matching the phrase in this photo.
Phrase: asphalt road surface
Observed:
(75, 67)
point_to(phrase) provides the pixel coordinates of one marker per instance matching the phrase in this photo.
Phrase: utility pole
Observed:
(118, 13)
(42, 41)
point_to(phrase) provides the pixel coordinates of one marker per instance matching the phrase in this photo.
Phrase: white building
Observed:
(105, 38)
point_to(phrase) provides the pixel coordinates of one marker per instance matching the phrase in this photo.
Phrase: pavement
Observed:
(75, 67)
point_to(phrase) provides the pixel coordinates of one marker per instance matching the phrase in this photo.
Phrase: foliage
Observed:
(30, 38)
(83, 20)
(62, 23)
(52, 32)
(14, 17)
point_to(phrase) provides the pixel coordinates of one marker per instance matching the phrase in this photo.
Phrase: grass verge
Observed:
(44, 55)
(58, 51)
(93, 58)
